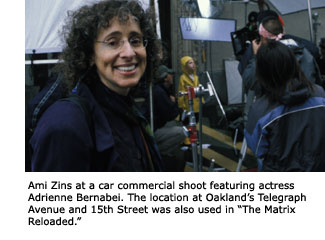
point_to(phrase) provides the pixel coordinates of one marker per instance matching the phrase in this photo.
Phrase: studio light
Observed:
(210, 8)
(206, 8)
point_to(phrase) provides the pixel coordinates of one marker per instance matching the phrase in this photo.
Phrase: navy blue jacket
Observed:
(289, 135)
(64, 141)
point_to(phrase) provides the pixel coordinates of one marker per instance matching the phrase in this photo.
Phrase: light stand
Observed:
(310, 21)
(213, 90)
(316, 23)
(250, 100)
(242, 155)
(191, 93)
(200, 91)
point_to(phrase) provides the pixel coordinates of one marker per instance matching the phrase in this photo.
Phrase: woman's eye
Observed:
(135, 42)
(111, 43)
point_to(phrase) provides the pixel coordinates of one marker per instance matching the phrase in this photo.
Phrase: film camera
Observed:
(242, 38)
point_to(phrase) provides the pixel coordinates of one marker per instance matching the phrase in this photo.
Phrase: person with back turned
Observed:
(285, 127)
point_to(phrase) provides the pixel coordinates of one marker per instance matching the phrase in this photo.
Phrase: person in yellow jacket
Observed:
(188, 78)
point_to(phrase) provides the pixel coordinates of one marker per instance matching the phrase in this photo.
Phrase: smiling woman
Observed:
(109, 46)
(120, 55)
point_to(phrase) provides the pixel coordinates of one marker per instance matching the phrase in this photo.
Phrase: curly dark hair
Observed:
(82, 28)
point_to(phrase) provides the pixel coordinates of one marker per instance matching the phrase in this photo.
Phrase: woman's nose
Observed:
(127, 50)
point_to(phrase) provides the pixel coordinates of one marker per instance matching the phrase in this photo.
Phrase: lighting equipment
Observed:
(191, 93)
(207, 29)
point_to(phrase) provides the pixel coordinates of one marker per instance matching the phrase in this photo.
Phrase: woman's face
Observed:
(120, 69)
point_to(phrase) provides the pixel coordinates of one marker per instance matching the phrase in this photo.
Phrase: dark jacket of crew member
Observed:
(263, 16)
(271, 29)
(285, 127)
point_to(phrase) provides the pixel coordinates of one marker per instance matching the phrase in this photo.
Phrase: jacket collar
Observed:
(103, 134)
(297, 96)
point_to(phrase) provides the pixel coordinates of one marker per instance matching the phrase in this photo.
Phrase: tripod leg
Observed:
(242, 155)
(250, 100)
(195, 157)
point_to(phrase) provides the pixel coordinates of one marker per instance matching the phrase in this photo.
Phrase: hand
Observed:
(256, 45)
(172, 98)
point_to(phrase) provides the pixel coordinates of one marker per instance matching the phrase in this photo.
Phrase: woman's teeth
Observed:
(129, 68)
